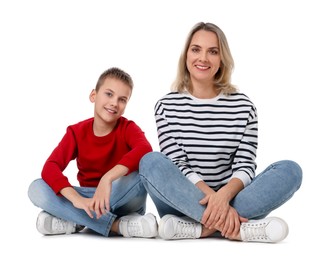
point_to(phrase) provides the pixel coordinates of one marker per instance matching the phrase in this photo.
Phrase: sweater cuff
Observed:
(194, 178)
(243, 176)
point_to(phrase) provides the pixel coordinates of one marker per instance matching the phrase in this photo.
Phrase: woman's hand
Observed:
(231, 227)
(216, 211)
(219, 214)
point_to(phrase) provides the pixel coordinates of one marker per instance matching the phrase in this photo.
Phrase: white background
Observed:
(52, 52)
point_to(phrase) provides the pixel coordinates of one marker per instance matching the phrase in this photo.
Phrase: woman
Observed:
(203, 180)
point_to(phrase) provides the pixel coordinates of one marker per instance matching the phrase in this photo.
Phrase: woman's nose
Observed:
(203, 56)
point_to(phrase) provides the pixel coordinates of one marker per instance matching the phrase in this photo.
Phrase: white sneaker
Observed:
(136, 225)
(269, 230)
(47, 224)
(173, 227)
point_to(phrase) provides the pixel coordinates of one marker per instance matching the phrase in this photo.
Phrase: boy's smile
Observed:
(110, 103)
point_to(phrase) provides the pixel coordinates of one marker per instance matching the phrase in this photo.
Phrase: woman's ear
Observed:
(92, 95)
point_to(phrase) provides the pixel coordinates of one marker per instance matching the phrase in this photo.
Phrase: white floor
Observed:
(51, 53)
(307, 238)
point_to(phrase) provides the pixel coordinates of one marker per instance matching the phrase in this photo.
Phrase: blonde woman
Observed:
(203, 180)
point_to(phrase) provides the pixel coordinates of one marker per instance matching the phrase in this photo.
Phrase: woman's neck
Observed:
(204, 92)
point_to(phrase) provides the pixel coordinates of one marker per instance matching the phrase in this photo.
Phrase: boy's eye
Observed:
(123, 100)
(109, 94)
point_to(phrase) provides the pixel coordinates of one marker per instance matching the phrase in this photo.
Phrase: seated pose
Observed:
(203, 180)
(107, 148)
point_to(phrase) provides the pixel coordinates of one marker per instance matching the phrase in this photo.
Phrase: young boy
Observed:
(107, 149)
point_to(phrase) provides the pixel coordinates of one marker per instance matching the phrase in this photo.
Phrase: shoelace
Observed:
(185, 230)
(134, 228)
(63, 226)
(59, 225)
(255, 231)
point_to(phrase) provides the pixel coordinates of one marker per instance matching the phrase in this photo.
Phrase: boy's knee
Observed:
(35, 192)
(33, 187)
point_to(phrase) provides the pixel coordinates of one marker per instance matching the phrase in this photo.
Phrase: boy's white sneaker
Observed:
(269, 230)
(47, 224)
(174, 227)
(136, 225)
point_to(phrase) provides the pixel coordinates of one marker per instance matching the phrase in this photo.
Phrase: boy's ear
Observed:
(92, 95)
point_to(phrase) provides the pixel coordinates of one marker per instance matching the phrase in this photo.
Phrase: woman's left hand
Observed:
(216, 210)
(220, 215)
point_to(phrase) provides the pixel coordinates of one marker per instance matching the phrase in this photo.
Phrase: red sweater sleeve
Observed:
(52, 172)
(94, 155)
(138, 145)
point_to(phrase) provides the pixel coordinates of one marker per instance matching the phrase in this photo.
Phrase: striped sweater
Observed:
(212, 140)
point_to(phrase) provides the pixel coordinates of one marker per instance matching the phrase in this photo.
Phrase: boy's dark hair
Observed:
(114, 73)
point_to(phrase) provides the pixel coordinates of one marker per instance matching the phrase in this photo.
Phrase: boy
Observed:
(107, 149)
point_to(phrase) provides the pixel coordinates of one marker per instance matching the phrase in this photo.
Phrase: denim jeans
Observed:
(173, 193)
(128, 195)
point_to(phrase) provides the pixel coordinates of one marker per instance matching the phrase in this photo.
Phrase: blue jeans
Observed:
(128, 195)
(173, 193)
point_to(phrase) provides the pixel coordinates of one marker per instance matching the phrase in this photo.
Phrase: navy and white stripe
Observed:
(209, 139)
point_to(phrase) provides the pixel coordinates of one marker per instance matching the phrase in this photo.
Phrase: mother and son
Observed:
(202, 181)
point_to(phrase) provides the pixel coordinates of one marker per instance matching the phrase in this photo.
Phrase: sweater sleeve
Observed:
(138, 146)
(244, 164)
(170, 147)
(52, 172)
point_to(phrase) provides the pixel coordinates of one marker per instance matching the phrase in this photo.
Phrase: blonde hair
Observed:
(222, 80)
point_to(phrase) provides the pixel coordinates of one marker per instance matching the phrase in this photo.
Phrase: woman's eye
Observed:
(195, 50)
(214, 52)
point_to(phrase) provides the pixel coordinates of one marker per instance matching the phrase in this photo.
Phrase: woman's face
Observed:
(203, 57)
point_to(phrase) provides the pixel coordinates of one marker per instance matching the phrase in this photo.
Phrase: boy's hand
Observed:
(77, 200)
(83, 203)
(100, 202)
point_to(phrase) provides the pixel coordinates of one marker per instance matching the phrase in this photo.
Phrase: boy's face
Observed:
(110, 101)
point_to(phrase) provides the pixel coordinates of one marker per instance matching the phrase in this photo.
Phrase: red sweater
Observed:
(95, 156)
